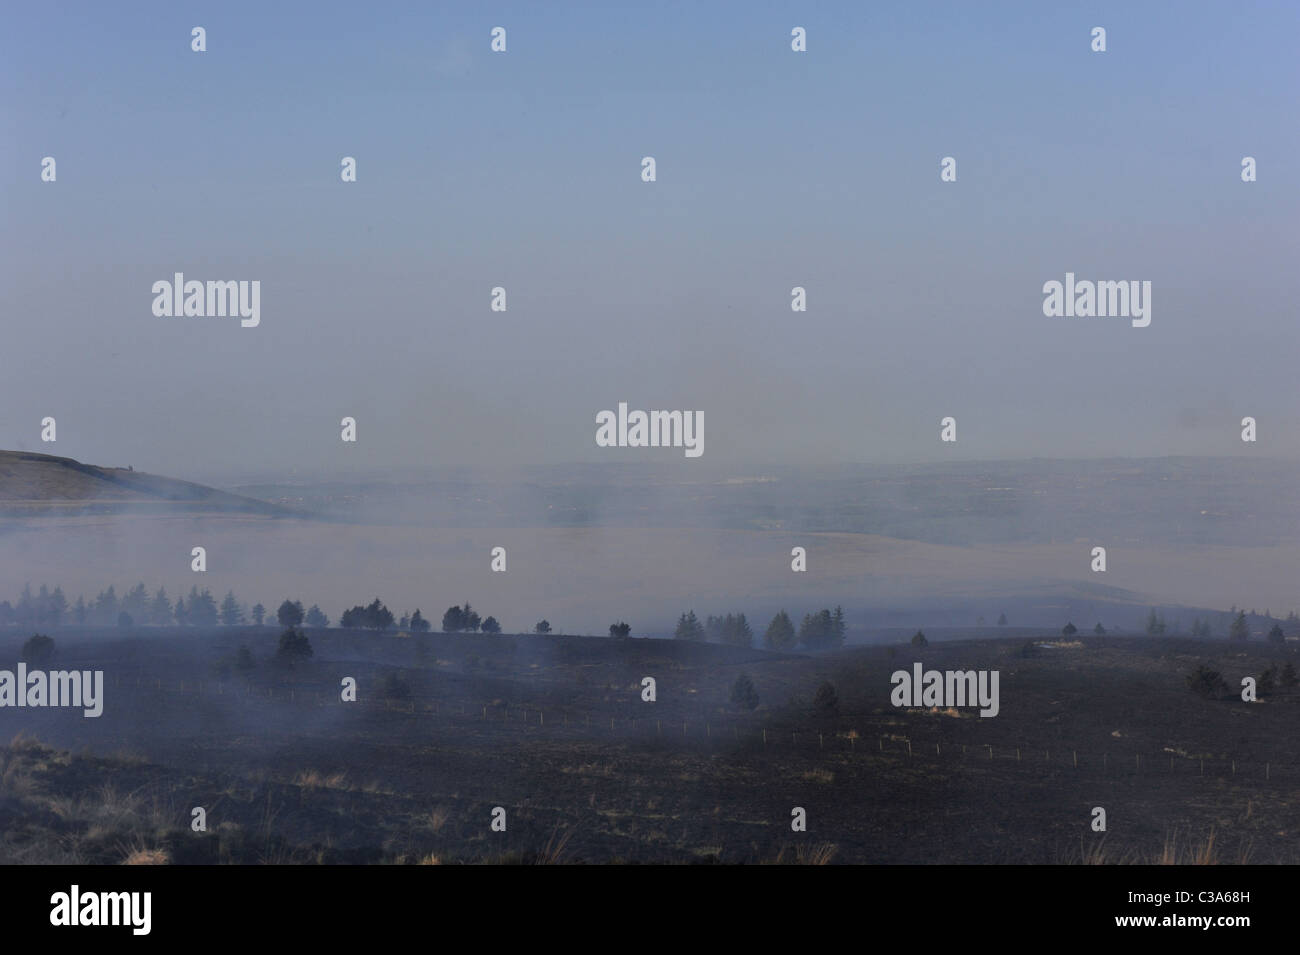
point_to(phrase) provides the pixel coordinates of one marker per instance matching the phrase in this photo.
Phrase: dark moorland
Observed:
(555, 731)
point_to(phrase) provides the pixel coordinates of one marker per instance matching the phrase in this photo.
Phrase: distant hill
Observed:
(35, 484)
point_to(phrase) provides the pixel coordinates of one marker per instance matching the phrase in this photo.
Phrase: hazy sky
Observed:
(523, 169)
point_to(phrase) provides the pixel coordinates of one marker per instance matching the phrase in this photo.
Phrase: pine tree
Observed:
(135, 603)
(232, 615)
(741, 635)
(160, 608)
(780, 633)
(58, 606)
(290, 614)
(202, 610)
(688, 627)
(106, 607)
(743, 693)
(839, 628)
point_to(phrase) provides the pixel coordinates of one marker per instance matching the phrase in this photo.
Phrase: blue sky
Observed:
(775, 169)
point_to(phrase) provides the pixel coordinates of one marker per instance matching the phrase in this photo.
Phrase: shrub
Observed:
(1207, 683)
(294, 648)
(743, 693)
(38, 650)
(1289, 676)
(394, 687)
(244, 659)
(1267, 682)
(826, 702)
(1276, 635)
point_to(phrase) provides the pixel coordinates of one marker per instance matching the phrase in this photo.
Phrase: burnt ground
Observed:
(554, 731)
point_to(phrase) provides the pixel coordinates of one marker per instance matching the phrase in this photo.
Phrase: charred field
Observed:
(554, 730)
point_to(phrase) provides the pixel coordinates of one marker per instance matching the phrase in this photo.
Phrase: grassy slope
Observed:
(32, 483)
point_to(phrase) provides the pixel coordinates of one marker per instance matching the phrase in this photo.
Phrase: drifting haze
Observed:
(775, 169)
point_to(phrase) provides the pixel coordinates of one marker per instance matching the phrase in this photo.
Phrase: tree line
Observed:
(823, 630)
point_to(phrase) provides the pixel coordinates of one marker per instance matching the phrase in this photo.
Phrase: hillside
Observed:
(33, 483)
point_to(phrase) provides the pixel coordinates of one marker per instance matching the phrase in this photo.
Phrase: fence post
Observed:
(1076, 758)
